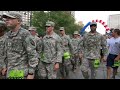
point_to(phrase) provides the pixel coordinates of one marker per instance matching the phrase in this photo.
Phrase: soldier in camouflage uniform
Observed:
(67, 47)
(2, 44)
(75, 42)
(90, 46)
(80, 54)
(52, 53)
(38, 43)
(79, 36)
(21, 55)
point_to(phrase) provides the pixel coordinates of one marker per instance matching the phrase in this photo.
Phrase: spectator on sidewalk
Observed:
(114, 51)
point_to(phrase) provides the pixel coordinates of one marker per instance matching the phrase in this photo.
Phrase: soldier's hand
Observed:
(80, 56)
(4, 71)
(76, 55)
(56, 66)
(117, 58)
(104, 58)
(30, 76)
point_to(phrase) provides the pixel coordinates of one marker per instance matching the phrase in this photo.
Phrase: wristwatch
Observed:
(57, 62)
(30, 73)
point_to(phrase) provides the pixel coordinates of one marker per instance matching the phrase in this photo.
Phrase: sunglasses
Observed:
(31, 30)
(61, 30)
(47, 26)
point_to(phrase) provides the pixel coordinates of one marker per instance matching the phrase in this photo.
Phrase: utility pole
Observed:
(48, 15)
(30, 18)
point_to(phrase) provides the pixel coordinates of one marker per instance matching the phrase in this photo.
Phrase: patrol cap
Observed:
(2, 23)
(75, 32)
(50, 23)
(93, 24)
(14, 15)
(62, 28)
(32, 29)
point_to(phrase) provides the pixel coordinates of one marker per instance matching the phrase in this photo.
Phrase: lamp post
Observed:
(30, 18)
(48, 15)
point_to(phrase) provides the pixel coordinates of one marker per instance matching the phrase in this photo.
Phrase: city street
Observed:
(101, 74)
(48, 44)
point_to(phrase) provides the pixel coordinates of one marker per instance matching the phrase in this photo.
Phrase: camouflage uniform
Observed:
(90, 46)
(37, 40)
(38, 43)
(20, 50)
(52, 54)
(75, 59)
(67, 47)
(2, 47)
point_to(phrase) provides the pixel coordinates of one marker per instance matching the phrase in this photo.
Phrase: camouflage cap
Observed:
(62, 28)
(2, 23)
(50, 23)
(93, 23)
(75, 32)
(16, 15)
(32, 29)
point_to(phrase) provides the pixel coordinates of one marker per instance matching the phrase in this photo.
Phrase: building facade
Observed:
(26, 16)
(114, 21)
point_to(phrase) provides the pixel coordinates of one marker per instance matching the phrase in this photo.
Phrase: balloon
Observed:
(100, 21)
(83, 29)
(93, 21)
(105, 26)
(96, 20)
(107, 29)
(103, 23)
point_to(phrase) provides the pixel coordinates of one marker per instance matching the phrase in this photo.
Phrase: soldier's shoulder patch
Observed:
(32, 42)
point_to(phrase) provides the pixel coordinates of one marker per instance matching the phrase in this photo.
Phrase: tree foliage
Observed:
(60, 18)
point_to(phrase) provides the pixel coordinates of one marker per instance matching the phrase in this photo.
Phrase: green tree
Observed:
(39, 19)
(61, 19)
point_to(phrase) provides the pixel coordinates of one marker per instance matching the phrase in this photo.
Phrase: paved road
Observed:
(101, 73)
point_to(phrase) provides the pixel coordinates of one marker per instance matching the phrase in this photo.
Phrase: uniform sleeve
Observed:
(81, 45)
(71, 46)
(3, 65)
(39, 46)
(104, 46)
(32, 54)
(3, 58)
(61, 45)
(4, 55)
(59, 51)
(3, 62)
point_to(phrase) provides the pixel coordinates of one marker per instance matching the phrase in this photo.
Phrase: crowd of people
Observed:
(24, 55)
